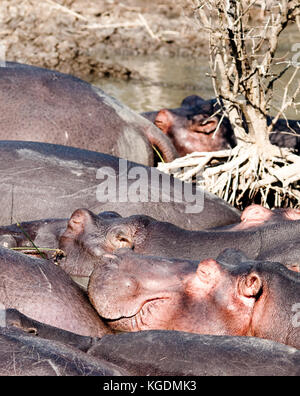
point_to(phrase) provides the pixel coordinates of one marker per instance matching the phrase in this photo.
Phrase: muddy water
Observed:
(169, 80)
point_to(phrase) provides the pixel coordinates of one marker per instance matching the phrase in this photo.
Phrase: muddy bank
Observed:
(80, 36)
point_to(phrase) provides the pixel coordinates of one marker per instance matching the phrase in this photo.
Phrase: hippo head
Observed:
(256, 215)
(83, 240)
(287, 213)
(89, 236)
(131, 299)
(134, 292)
(197, 125)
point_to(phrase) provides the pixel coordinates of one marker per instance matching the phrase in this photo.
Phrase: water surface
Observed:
(169, 80)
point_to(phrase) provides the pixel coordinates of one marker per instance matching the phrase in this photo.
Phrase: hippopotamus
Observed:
(256, 215)
(179, 353)
(41, 180)
(43, 233)
(24, 354)
(199, 125)
(88, 236)
(44, 105)
(43, 291)
(176, 353)
(228, 296)
(15, 319)
(191, 126)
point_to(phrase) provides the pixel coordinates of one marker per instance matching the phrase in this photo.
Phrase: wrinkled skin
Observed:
(44, 292)
(87, 237)
(43, 105)
(192, 127)
(24, 354)
(163, 352)
(230, 296)
(40, 180)
(256, 215)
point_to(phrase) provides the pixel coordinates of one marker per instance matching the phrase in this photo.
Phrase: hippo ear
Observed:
(200, 123)
(192, 101)
(256, 212)
(164, 121)
(119, 237)
(250, 285)
(78, 221)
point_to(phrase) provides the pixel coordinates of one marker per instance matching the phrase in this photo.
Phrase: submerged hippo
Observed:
(40, 180)
(88, 236)
(200, 125)
(44, 105)
(44, 292)
(228, 296)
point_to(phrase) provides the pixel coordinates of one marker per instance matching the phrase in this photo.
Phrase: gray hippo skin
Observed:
(24, 354)
(40, 180)
(231, 296)
(44, 292)
(172, 352)
(88, 236)
(193, 127)
(43, 105)
(162, 352)
(13, 318)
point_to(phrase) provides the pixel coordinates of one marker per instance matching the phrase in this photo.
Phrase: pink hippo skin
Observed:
(192, 127)
(228, 296)
(256, 215)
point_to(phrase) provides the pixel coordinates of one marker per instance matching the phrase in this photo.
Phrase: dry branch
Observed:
(241, 61)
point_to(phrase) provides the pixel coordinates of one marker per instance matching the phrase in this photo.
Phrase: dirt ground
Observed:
(80, 36)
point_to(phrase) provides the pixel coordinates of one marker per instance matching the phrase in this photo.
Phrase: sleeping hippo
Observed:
(88, 236)
(228, 296)
(156, 352)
